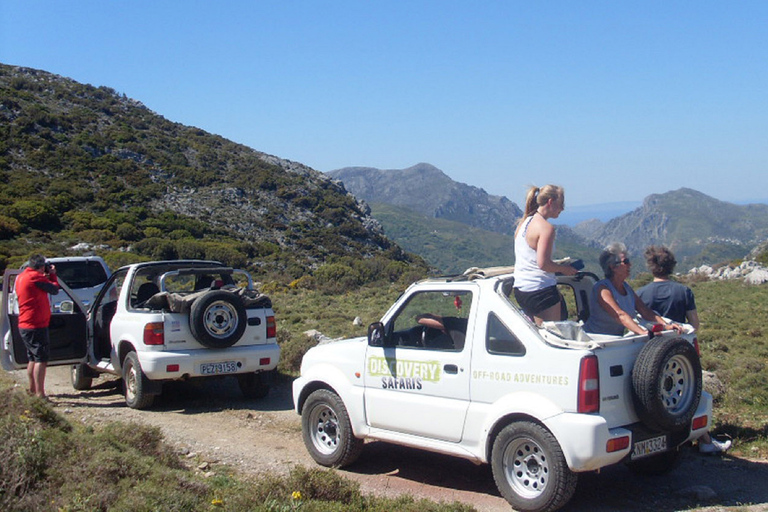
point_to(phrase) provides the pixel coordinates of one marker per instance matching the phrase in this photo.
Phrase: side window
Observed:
(112, 290)
(145, 286)
(500, 340)
(433, 321)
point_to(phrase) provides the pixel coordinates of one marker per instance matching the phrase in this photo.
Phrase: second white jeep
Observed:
(455, 367)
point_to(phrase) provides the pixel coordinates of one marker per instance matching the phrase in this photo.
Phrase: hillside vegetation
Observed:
(85, 166)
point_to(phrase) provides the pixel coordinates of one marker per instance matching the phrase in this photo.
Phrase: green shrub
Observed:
(292, 350)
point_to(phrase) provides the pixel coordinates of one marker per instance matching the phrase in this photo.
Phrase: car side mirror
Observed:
(376, 334)
(67, 306)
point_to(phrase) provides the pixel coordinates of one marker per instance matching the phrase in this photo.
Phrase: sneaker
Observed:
(715, 446)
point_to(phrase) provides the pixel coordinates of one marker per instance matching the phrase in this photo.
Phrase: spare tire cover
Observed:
(217, 319)
(667, 384)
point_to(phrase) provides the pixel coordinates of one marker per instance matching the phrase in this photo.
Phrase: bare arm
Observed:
(609, 304)
(692, 317)
(430, 320)
(651, 315)
(544, 244)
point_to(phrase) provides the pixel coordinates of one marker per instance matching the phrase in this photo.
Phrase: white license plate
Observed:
(218, 368)
(649, 447)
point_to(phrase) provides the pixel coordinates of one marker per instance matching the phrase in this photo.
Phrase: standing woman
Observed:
(535, 283)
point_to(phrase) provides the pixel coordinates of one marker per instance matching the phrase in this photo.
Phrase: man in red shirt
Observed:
(32, 289)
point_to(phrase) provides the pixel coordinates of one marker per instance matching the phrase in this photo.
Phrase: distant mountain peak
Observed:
(426, 189)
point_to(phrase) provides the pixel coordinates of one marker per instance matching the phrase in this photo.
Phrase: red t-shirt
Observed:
(34, 306)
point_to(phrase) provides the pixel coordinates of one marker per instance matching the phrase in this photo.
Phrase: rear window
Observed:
(81, 274)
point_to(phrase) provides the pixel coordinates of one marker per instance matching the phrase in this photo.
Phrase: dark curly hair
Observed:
(660, 260)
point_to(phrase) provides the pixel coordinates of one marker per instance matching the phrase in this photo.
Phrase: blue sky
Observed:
(612, 100)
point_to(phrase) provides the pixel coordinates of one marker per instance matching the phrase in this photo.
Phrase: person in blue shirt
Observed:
(675, 301)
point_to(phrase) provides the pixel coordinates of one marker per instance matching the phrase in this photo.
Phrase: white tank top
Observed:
(528, 276)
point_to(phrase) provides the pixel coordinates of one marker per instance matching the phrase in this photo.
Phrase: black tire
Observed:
(81, 378)
(656, 464)
(530, 469)
(327, 431)
(135, 383)
(252, 385)
(667, 384)
(218, 319)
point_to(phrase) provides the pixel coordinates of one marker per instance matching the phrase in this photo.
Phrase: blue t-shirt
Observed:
(668, 298)
(599, 320)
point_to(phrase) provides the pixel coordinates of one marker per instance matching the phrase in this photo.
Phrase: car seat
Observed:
(144, 292)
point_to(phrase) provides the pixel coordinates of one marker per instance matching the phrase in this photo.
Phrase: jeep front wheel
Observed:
(327, 431)
(530, 469)
(135, 383)
(81, 377)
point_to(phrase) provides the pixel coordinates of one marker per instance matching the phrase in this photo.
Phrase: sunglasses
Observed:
(624, 261)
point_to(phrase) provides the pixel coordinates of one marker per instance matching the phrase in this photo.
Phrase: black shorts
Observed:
(37, 344)
(533, 303)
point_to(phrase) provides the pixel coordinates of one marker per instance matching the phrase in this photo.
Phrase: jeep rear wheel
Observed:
(218, 319)
(135, 383)
(327, 431)
(530, 469)
(667, 384)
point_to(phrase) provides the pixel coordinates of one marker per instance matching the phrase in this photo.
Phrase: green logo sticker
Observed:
(391, 367)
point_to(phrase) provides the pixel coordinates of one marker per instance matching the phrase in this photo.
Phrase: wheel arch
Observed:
(521, 406)
(327, 376)
(501, 423)
(123, 348)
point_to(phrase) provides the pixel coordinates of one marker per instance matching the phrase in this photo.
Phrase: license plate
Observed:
(649, 447)
(218, 368)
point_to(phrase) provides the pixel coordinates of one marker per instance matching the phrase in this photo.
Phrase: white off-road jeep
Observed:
(154, 322)
(541, 405)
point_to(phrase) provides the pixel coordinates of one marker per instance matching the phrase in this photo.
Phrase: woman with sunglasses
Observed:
(613, 304)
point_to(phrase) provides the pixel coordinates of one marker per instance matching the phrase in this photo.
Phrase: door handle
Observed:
(451, 368)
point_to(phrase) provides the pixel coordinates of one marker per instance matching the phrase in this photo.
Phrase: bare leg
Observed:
(39, 377)
(31, 376)
(550, 314)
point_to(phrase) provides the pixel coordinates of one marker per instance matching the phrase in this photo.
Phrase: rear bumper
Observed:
(584, 437)
(247, 359)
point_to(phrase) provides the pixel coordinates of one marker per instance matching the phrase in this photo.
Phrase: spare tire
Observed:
(217, 319)
(666, 384)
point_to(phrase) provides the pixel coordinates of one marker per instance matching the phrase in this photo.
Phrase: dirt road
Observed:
(212, 420)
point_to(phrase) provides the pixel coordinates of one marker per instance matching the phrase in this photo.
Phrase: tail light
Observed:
(271, 327)
(696, 346)
(154, 333)
(589, 385)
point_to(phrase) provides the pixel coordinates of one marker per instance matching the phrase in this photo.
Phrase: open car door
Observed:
(67, 329)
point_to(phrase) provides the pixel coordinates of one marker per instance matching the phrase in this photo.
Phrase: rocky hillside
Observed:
(699, 228)
(426, 189)
(86, 165)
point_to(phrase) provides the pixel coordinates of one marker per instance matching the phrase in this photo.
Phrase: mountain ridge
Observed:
(699, 228)
(426, 189)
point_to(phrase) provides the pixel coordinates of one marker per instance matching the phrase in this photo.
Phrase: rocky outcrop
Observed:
(749, 271)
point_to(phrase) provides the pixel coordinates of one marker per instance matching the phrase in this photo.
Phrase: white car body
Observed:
(148, 342)
(458, 399)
